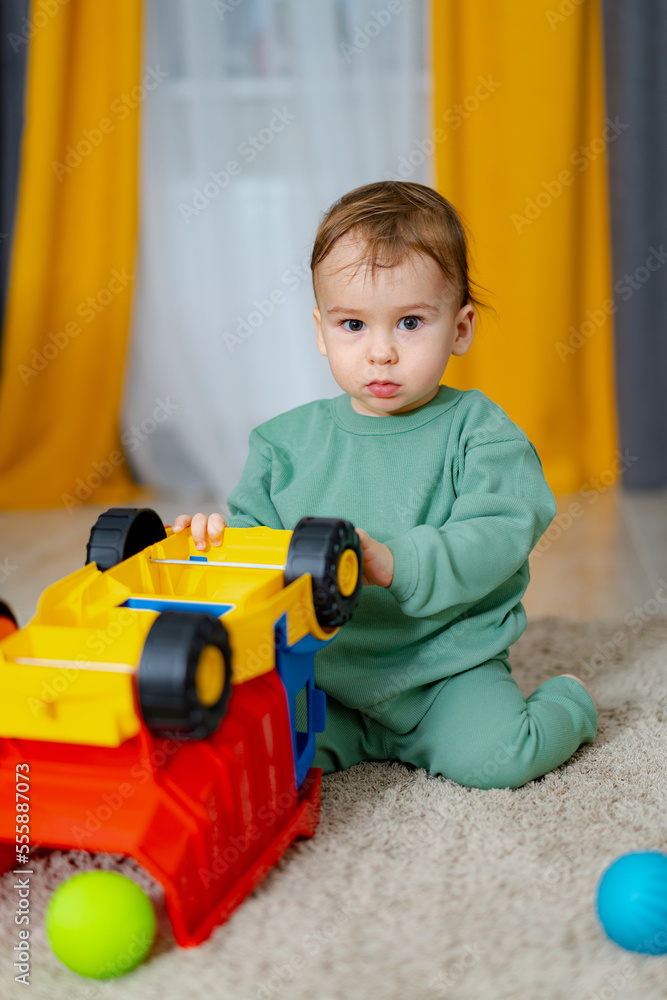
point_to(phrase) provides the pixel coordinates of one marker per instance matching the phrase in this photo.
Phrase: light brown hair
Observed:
(392, 219)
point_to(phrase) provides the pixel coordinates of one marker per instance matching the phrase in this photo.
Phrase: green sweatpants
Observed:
(480, 730)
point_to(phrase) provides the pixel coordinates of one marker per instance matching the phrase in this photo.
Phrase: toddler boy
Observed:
(448, 498)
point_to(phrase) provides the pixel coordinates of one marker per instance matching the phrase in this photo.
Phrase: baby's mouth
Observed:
(383, 389)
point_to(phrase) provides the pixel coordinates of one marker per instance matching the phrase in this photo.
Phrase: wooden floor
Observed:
(603, 556)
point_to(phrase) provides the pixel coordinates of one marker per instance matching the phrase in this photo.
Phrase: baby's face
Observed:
(388, 341)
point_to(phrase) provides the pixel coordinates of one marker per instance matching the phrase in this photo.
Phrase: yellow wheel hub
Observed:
(210, 675)
(347, 573)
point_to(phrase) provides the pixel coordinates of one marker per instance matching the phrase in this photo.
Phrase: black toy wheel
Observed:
(121, 532)
(185, 675)
(8, 622)
(329, 549)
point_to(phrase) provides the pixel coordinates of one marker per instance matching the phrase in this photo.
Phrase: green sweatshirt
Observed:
(457, 492)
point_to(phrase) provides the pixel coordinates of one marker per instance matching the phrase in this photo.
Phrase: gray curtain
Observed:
(13, 47)
(636, 82)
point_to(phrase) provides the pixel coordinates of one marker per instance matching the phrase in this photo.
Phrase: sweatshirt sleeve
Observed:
(503, 506)
(249, 503)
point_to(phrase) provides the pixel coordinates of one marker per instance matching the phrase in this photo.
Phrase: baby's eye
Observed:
(355, 329)
(411, 323)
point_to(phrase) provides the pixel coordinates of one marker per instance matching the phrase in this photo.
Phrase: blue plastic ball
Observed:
(632, 902)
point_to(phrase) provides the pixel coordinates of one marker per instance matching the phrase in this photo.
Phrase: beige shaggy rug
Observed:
(416, 888)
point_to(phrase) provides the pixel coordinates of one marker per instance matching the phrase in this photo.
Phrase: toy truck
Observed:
(154, 699)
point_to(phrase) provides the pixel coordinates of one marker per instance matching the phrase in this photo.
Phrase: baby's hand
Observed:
(378, 561)
(215, 524)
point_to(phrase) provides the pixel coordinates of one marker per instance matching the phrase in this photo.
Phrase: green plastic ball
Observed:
(100, 924)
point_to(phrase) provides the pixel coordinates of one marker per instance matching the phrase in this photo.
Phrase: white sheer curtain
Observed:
(270, 110)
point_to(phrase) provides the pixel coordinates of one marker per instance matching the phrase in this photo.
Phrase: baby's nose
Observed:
(381, 352)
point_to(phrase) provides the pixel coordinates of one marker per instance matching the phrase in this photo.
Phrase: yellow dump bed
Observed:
(68, 676)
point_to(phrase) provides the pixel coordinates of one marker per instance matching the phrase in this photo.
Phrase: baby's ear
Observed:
(321, 346)
(465, 328)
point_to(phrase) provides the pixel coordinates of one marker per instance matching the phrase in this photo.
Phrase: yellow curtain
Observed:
(72, 272)
(521, 153)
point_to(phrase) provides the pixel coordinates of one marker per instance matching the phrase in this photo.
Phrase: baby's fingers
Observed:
(180, 522)
(199, 523)
(203, 527)
(216, 526)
